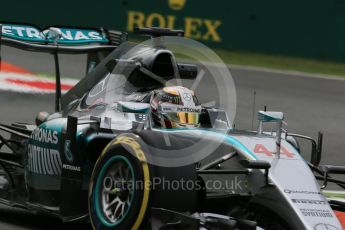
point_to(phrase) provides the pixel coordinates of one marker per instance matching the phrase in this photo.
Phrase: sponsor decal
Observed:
(306, 201)
(187, 96)
(68, 152)
(323, 226)
(68, 35)
(188, 110)
(44, 160)
(301, 192)
(166, 109)
(140, 117)
(260, 148)
(198, 28)
(133, 144)
(44, 135)
(72, 167)
(317, 213)
(22, 32)
(79, 36)
(195, 28)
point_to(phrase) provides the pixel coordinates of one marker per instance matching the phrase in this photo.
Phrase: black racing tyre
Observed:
(119, 197)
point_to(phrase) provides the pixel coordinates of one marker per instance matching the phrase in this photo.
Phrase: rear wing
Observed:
(62, 39)
(56, 39)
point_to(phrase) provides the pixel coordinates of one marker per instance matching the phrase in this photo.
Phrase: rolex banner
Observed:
(292, 28)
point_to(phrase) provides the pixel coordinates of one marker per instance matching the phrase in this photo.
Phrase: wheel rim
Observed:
(114, 191)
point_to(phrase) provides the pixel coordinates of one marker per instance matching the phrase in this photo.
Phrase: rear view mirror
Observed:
(317, 150)
(331, 169)
(316, 147)
(257, 164)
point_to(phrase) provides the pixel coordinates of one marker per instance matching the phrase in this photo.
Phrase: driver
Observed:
(175, 107)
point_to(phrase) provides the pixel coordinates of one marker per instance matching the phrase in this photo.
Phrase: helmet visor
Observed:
(187, 118)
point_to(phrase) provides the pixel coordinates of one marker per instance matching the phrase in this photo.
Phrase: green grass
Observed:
(334, 194)
(283, 63)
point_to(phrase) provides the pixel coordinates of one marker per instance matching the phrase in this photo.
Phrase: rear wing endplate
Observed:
(55, 40)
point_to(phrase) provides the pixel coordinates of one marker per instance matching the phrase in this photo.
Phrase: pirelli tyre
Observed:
(119, 192)
(124, 186)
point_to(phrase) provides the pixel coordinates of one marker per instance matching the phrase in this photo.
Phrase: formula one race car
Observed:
(126, 150)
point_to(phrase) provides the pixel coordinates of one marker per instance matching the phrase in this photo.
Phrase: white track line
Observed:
(269, 70)
(286, 72)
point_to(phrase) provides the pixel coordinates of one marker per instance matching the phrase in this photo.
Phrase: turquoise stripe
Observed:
(233, 141)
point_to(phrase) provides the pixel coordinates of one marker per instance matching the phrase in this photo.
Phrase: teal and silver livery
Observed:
(68, 35)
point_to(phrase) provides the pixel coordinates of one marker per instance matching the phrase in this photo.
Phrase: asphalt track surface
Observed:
(309, 104)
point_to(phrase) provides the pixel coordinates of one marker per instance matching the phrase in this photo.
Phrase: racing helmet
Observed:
(175, 107)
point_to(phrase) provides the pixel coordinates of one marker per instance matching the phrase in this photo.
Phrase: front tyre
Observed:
(118, 194)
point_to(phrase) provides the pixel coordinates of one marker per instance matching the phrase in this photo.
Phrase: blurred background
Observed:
(310, 29)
